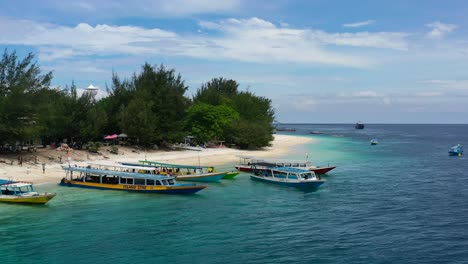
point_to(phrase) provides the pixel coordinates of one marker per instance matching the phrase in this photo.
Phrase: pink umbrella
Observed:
(111, 136)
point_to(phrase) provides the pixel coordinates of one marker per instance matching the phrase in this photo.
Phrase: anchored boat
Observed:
(187, 172)
(246, 163)
(293, 177)
(359, 125)
(456, 150)
(22, 192)
(142, 180)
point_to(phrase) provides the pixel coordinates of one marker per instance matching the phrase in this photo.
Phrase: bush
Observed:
(93, 147)
(114, 149)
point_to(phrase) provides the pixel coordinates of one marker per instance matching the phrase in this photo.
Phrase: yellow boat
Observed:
(22, 192)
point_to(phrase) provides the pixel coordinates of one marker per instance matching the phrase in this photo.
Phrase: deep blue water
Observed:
(402, 201)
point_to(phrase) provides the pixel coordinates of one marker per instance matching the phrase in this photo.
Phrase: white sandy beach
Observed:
(32, 171)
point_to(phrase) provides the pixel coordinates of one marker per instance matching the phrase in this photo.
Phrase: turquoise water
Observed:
(402, 201)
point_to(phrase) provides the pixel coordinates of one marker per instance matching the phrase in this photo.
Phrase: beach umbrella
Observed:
(114, 136)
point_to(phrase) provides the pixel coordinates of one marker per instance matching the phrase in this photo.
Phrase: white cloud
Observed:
(439, 29)
(251, 40)
(359, 24)
(448, 84)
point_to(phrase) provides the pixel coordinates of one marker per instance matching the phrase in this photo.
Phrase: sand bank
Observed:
(32, 170)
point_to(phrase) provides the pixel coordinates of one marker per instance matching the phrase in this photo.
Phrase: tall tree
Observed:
(217, 91)
(208, 122)
(161, 92)
(20, 81)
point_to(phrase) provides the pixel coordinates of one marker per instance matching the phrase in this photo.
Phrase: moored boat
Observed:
(186, 172)
(87, 177)
(247, 162)
(456, 150)
(303, 179)
(359, 125)
(22, 192)
(374, 142)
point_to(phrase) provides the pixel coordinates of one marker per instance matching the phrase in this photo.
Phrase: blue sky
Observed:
(319, 61)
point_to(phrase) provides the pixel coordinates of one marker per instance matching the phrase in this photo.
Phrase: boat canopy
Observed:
(118, 173)
(123, 166)
(169, 165)
(290, 170)
(17, 185)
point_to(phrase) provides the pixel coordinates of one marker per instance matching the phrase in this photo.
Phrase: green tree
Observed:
(207, 122)
(160, 93)
(20, 81)
(217, 91)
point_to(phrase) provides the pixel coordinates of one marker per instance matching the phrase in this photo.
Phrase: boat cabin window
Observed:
(170, 181)
(158, 182)
(164, 182)
(149, 182)
(292, 176)
(139, 181)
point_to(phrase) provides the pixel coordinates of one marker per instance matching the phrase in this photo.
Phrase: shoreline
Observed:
(219, 157)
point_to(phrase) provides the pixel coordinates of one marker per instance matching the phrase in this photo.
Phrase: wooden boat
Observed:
(456, 150)
(145, 180)
(22, 192)
(359, 125)
(246, 163)
(293, 177)
(186, 172)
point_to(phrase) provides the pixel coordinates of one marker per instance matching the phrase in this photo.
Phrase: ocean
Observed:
(401, 201)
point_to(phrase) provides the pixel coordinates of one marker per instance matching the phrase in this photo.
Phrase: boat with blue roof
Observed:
(303, 179)
(126, 178)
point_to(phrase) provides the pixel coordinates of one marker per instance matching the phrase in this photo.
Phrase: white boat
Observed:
(246, 163)
(293, 177)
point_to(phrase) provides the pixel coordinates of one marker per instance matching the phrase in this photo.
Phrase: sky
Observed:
(319, 61)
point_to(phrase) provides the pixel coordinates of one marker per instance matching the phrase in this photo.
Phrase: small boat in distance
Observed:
(374, 141)
(22, 192)
(303, 179)
(456, 150)
(359, 125)
(315, 132)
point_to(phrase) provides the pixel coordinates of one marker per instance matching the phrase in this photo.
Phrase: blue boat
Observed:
(303, 179)
(456, 150)
(86, 177)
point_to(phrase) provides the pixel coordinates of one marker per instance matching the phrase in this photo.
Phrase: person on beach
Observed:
(43, 167)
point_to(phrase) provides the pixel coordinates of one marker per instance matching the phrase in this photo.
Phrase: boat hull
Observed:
(231, 175)
(316, 170)
(177, 189)
(208, 177)
(35, 199)
(299, 184)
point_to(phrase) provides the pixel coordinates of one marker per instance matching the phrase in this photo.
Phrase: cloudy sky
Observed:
(320, 61)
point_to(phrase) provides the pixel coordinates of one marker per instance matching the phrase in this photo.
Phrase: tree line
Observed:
(151, 107)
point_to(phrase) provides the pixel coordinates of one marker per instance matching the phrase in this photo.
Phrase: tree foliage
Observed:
(150, 107)
(20, 82)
